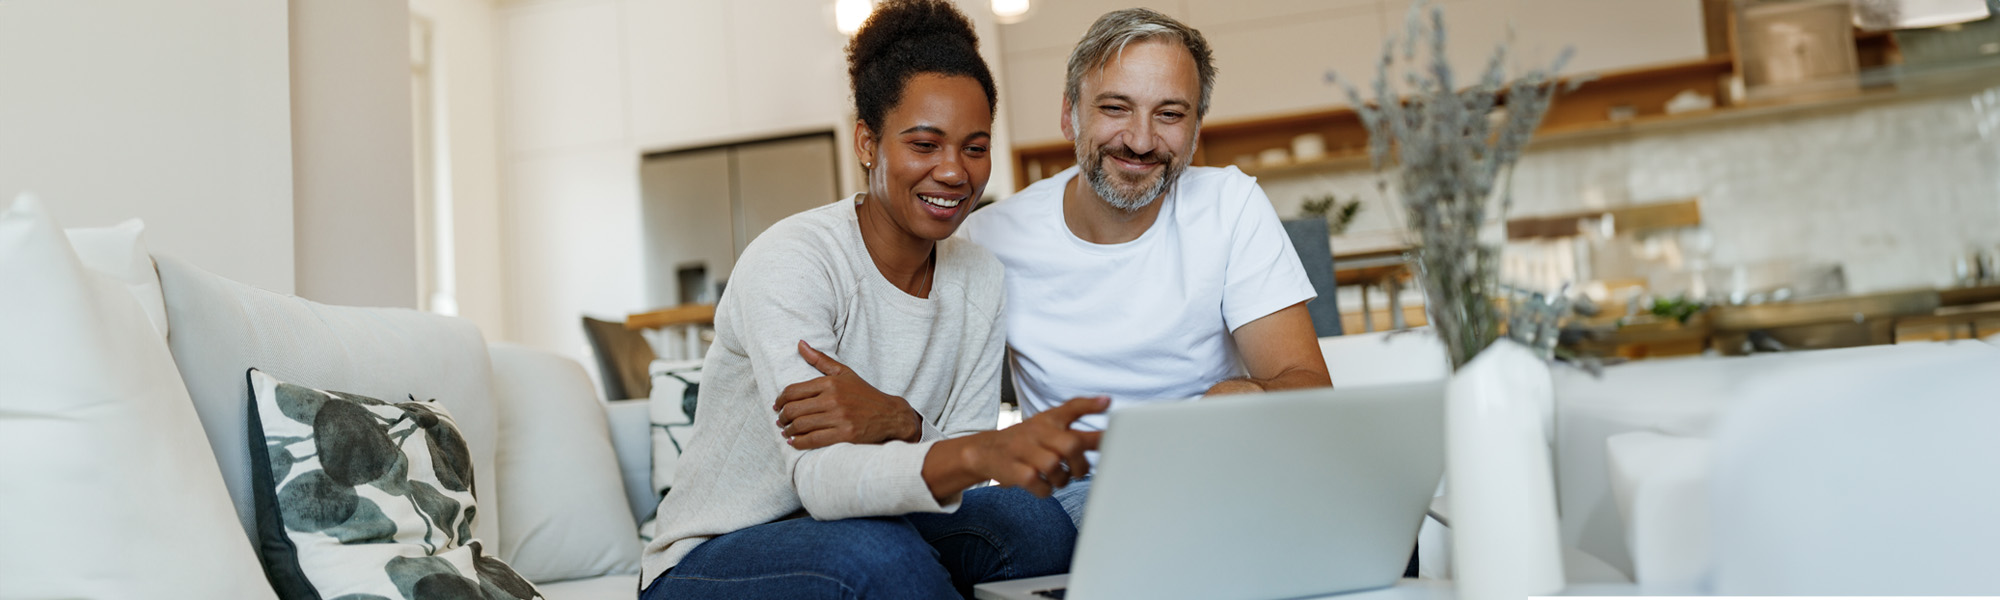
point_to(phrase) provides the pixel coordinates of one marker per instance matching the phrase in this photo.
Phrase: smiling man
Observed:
(1134, 275)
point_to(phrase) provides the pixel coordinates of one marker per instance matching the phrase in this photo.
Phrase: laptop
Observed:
(1281, 495)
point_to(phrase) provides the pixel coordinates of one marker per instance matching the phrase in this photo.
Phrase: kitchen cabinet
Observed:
(689, 196)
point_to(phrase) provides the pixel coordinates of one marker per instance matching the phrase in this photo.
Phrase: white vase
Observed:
(1499, 411)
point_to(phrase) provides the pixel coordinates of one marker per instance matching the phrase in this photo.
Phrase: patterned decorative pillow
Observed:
(360, 499)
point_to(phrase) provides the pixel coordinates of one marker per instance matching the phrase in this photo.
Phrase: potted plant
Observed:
(1338, 215)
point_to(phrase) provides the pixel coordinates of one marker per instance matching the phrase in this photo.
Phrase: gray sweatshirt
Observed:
(809, 278)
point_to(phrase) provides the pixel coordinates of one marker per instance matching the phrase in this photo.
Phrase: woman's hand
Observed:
(1038, 455)
(840, 407)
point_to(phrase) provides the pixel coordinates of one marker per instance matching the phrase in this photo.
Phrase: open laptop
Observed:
(1282, 495)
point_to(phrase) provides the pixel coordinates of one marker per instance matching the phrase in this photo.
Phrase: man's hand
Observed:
(1038, 455)
(840, 407)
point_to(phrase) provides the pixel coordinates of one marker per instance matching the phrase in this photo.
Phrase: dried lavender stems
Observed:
(1445, 149)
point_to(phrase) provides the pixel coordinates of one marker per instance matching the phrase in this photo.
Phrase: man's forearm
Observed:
(1297, 378)
(1290, 379)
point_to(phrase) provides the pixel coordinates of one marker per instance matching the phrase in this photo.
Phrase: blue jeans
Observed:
(996, 534)
(1072, 498)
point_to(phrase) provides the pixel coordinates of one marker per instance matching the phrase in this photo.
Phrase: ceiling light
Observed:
(1011, 11)
(848, 15)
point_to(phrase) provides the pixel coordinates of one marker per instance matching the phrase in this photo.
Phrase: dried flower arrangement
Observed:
(1449, 152)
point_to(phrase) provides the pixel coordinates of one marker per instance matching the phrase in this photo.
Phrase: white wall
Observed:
(588, 86)
(265, 141)
(465, 63)
(569, 187)
(352, 159)
(178, 113)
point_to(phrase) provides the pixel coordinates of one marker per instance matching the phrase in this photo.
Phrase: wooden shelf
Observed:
(1335, 162)
(1624, 219)
(1840, 310)
(685, 314)
(1616, 103)
(1969, 295)
(1644, 91)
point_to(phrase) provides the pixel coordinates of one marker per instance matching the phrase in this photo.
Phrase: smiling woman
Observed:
(921, 175)
(872, 285)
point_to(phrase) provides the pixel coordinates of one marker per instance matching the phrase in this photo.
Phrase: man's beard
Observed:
(1124, 199)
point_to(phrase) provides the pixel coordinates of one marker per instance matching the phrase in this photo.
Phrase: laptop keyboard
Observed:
(1057, 593)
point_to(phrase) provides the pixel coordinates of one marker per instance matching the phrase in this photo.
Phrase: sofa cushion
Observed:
(1860, 471)
(632, 437)
(107, 487)
(566, 513)
(609, 587)
(119, 252)
(221, 329)
(357, 496)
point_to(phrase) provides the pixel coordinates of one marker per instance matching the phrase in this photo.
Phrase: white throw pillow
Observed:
(119, 252)
(110, 490)
(1661, 485)
(566, 515)
(673, 423)
(359, 497)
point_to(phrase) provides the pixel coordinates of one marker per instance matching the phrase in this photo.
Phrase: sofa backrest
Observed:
(219, 329)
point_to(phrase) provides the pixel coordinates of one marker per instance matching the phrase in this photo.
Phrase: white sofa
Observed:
(549, 477)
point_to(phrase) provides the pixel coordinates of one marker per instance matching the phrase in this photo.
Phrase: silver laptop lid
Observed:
(1279, 495)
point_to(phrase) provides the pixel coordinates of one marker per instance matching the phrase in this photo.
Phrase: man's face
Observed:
(1134, 124)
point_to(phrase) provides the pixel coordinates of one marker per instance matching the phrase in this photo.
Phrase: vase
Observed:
(1499, 413)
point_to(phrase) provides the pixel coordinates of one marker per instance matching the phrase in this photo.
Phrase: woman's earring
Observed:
(868, 166)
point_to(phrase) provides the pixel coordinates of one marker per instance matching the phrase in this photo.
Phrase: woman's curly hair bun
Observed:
(904, 38)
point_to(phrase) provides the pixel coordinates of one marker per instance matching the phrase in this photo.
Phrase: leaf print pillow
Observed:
(361, 499)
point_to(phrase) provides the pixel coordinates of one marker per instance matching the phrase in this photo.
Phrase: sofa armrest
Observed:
(632, 438)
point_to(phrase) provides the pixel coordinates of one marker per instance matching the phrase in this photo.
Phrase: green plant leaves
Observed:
(442, 511)
(354, 446)
(434, 578)
(465, 526)
(281, 459)
(368, 525)
(299, 403)
(451, 459)
(499, 581)
(313, 502)
(405, 571)
(446, 587)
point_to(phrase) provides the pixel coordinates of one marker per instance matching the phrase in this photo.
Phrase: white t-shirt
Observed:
(1143, 321)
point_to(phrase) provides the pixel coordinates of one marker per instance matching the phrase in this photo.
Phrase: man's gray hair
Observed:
(1117, 29)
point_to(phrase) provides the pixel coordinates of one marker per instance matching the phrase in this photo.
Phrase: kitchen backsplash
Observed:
(1893, 191)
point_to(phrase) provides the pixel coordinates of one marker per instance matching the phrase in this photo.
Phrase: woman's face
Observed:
(930, 159)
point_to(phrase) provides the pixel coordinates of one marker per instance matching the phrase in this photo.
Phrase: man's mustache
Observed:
(1126, 154)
